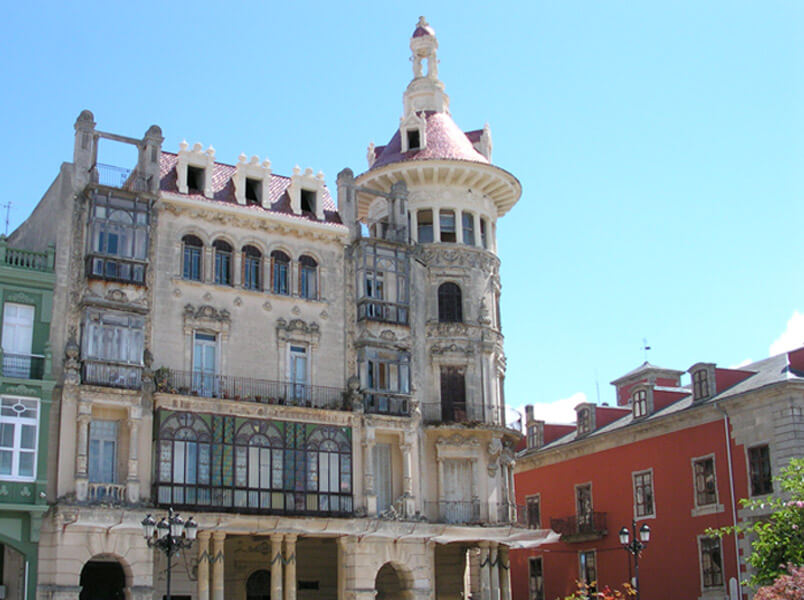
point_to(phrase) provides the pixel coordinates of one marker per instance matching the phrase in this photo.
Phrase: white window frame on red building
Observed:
(634, 475)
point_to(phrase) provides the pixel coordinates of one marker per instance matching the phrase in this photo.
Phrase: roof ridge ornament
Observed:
(425, 91)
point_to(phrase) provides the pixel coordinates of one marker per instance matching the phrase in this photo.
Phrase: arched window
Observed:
(449, 303)
(252, 260)
(223, 262)
(191, 258)
(329, 470)
(640, 401)
(308, 277)
(183, 474)
(280, 264)
(259, 452)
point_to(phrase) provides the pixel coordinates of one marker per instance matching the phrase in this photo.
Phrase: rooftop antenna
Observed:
(645, 348)
(7, 206)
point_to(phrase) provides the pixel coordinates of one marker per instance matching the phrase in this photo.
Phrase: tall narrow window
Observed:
(195, 179)
(308, 277)
(711, 563)
(191, 258)
(118, 229)
(449, 303)
(308, 201)
(413, 139)
(205, 364)
(223, 262)
(640, 400)
(453, 395)
(280, 269)
(252, 263)
(483, 234)
(382, 469)
(759, 468)
(534, 512)
(298, 373)
(536, 578)
(253, 191)
(643, 494)
(534, 435)
(19, 425)
(587, 569)
(584, 420)
(468, 222)
(18, 322)
(583, 506)
(424, 224)
(103, 451)
(446, 220)
(700, 385)
(705, 483)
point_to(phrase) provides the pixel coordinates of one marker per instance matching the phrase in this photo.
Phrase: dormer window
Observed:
(700, 385)
(640, 402)
(534, 435)
(414, 140)
(584, 421)
(307, 201)
(195, 180)
(253, 191)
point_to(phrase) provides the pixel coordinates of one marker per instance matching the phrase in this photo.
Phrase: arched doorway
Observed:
(102, 580)
(258, 585)
(393, 582)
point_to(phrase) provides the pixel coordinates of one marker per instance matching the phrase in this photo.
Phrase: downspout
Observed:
(733, 496)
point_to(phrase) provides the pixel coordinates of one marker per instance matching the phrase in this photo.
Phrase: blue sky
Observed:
(659, 146)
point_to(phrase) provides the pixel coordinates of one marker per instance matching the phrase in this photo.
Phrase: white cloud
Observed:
(559, 411)
(741, 364)
(792, 337)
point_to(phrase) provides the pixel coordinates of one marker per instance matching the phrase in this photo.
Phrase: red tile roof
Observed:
(223, 190)
(443, 138)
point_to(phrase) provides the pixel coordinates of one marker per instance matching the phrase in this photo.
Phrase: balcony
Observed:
(436, 413)
(387, 403)
(119, 177)
(247, 389)
(115, 268)
(23, 366)
(512, 514)
(383, 311)
(106, 493)
(455, 512)
(111, 374)
(26, 259)
(580, 528)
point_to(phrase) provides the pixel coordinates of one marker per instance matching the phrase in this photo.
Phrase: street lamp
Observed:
(635, 547)
(169, 535)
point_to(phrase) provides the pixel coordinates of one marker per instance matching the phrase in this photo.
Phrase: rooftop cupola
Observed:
(425, 92)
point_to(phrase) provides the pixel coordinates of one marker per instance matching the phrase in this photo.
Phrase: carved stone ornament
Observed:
(461, 257)
(354, 399)
(21, 390)
(388, 335)
(457, 440)
(438, 349)
(207, 317)
(72, 366)
(297, 329)
(495, 448)
(267, 306)
(21, 298)
(116, 295)
(450, 330)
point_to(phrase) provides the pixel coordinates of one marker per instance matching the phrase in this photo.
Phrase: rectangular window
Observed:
(19, 428)
(534, 512)
(700, 385)
(483, 235)
(453, 395)
(253, 191)
(118, 238)
(705, 484)
(643, 494)
(759, 467)
(583, 506)
(18, 322)
(424, 223)
(191, 263)
(587, 569)
(413, 139)
(534, 435)
(102, 457)
(195, 179)
(446, 220)
(298, 373)
(711, 563)
(536, 578)
(468, 222)
(382, 471)
(113, 336)
(204, 364)
(308, 201)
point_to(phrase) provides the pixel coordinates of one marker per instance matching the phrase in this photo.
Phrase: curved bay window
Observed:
(252, 465)
(308, 277)
(280, 268)
(252, 260)
(223, 262)
(118, 239)
(191, 266)
(640, 402)
(449, 303)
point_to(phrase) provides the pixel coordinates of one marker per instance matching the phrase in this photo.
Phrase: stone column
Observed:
(407, 480)
(218, 537)
(505, 573)
(368, 473)
(276, 566)
(478, 241)
(237, 261)
(485, 575)
(436, 224)
(208, 257)
(81, 459)
(290, 566)
(133, 479)
(458, 226)
(203, 565)
(414, 225)
(494, 571)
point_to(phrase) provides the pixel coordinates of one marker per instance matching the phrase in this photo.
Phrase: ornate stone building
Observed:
(319, 384)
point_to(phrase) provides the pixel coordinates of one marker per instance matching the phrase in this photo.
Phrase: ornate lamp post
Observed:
(169, 535)
(635, 546)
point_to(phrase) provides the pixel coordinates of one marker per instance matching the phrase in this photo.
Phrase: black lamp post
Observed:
(170, 535)
(635, 547)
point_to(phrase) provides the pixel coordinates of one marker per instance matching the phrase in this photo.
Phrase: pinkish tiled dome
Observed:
(423, 29)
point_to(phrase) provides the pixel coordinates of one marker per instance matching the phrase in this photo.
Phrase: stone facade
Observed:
(319, 384)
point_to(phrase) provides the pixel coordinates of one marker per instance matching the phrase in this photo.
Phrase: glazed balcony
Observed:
(462, 412)
(111, 374)
(248, 389)
(580, 528)
(387, 403)
(116, 268)
(382, 311)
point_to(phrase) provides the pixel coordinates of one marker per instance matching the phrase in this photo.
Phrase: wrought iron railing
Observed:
(456, 512)
(23, 366)
(119, 177)
(468, 412)
(106, 493)
(247, 389)
(115, 268)
(111, 374)
(513, 514)
(382, 310)
(386, 403)
(585, 526)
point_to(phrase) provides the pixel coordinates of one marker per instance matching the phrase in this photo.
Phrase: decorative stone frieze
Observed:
(297, 330)
(208, 318)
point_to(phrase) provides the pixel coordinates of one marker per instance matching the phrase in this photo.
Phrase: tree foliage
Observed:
(778, 540)
(786, 587)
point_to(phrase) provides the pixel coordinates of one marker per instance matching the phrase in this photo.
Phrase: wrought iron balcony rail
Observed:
(437, 412)
(514, 514)
(382, 310)
(580, 527)
(23, 366)
(115, 268)
(247, 389)
(453, 512)
(111, 374)
(119, 177)
(387, 403)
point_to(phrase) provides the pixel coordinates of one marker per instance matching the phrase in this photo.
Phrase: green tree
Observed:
(778, 540)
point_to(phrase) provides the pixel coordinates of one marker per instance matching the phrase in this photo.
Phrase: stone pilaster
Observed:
(203, 565)
(276, 567)
(219, 538)
(290, 566)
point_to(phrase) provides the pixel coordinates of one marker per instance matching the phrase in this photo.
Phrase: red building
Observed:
(675, 457)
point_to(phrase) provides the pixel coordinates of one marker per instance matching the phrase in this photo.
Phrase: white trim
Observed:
(15, 449)
(748, 467)
(713, 507)
(713, 591)
(652, 514)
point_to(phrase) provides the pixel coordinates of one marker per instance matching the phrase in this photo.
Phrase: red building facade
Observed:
(677, 458)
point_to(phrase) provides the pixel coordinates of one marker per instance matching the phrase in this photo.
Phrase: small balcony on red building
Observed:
(580, 528)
